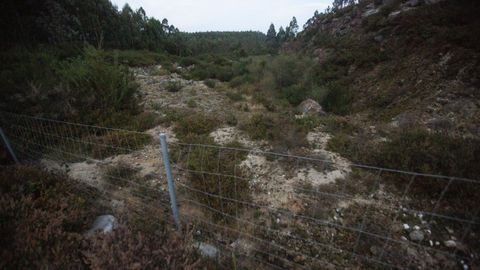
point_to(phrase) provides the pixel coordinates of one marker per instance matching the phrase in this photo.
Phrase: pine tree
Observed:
(272, 41)
(293, 27)
(281, 36)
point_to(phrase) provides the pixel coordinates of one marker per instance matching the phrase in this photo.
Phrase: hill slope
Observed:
(402, 62)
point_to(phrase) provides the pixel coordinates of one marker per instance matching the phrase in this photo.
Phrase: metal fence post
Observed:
(171, 185)
(8, 146)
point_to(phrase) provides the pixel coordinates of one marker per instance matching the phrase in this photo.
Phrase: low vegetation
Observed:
(216, 177)
(44, 218)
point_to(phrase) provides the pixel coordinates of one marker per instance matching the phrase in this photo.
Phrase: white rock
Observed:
(450, 243)
(207, 250)
(406, 226)
(103, 224)
(416, 236)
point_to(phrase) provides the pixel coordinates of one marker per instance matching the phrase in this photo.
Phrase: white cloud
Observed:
(224, 15)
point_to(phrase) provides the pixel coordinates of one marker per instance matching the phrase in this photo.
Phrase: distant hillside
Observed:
(241, 43)
(406, 63)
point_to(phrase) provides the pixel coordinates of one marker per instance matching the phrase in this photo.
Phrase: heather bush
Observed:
(44, 216)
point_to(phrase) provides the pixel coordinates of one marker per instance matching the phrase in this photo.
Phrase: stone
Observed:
(450, 244)
(310, 107)
(416, 236)
(103, 224)
(207, 250)
(370, 12)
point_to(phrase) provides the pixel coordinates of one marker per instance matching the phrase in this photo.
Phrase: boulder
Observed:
(103, 224)
(207, 250)
(310, 107)
(416, 236)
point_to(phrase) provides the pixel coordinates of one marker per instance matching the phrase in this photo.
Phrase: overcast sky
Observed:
(225, 15)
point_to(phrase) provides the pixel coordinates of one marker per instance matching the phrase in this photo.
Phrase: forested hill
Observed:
(103, 25)
(95, 22)
(240, 43)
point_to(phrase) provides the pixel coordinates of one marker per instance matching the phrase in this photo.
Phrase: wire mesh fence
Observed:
(252, 208)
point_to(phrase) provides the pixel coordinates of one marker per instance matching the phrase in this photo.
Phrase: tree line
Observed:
(96, 22)
(274, 40)
(237, 43)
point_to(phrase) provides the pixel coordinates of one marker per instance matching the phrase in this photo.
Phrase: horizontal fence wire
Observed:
(261, 209)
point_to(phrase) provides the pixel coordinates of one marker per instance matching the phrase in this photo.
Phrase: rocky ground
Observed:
(286, 186)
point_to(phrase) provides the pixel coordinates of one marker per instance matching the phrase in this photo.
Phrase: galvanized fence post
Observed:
(171, 184)
(8, 146)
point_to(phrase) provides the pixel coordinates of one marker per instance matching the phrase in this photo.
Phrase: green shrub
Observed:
(191, 103)
(191, 124)
(174, 86)
(338, 99)
(215, 171)
(231, 119)
(280, 130)
(234, 95)
(434, 153)
(295, 94)
(259, 127)
(103, 92)
(237, 81)
(134, 58)
(144, 121)
(210, 83)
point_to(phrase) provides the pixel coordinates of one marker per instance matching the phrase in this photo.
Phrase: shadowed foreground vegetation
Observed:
(43, 218)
